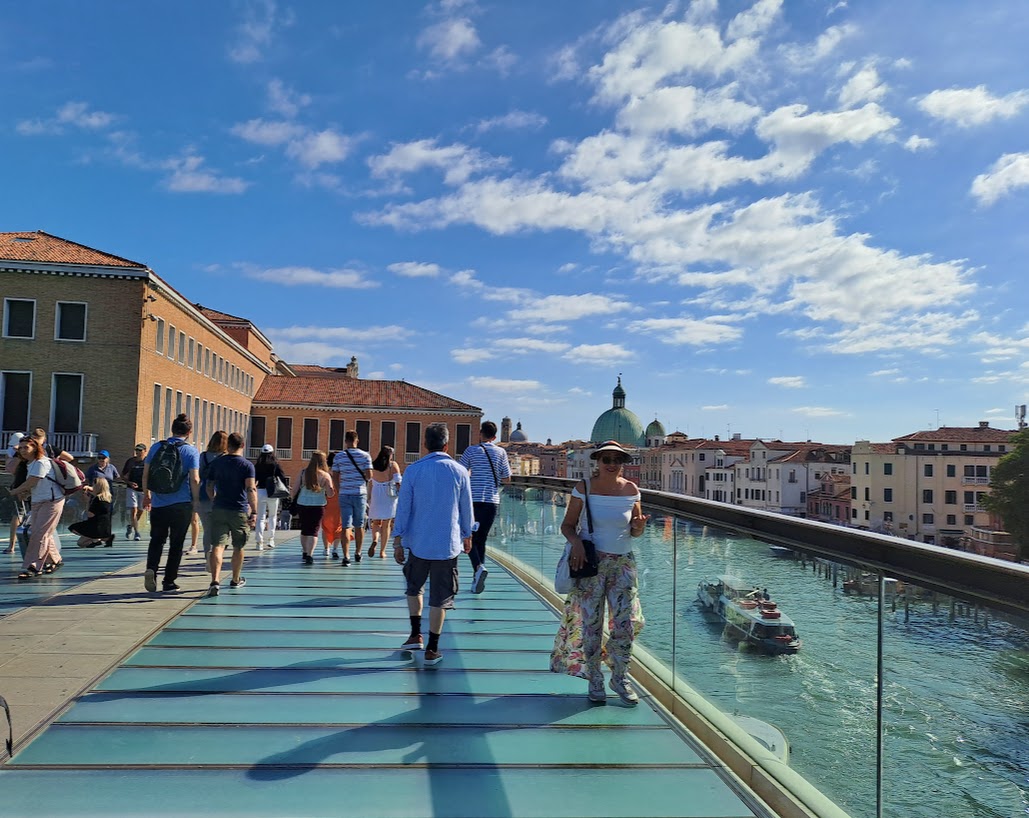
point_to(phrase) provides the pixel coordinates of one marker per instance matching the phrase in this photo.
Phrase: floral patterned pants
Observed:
(578, 648)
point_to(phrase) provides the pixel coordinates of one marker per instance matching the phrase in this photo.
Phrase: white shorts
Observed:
(133, 499)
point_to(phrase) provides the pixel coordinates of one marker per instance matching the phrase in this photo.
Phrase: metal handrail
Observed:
(991, 582)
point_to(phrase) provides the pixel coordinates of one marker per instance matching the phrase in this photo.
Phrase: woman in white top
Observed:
(313, 492)
(617, 517)
(44, 552)
(382, 507)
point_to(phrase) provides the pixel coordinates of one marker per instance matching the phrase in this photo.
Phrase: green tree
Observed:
(1009, 492)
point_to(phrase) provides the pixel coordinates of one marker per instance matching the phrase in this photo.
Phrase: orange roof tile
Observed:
(959, 434)
(215, 315)
(342, 391)
(42, 247)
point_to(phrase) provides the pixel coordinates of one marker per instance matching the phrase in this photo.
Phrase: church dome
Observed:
(518, 436)
(618, 423)
(655, 429)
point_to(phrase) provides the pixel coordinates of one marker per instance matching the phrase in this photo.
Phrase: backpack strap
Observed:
(356, 467)
(492, 468)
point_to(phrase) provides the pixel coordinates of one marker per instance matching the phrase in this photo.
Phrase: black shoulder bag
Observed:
(492, 468)
(591, 565)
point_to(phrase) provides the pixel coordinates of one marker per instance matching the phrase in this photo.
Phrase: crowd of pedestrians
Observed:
(438, 509)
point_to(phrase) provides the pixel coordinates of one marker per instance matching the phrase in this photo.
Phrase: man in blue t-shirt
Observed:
(171, 512)
(232, 487)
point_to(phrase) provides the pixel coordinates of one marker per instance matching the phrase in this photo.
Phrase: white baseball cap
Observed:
(267, 448)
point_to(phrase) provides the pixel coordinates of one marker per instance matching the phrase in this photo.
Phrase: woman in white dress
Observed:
(383, 504)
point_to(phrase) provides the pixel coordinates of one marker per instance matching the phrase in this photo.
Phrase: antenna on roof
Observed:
(1020, 416)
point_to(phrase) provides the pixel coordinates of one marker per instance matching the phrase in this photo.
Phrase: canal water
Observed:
(957, 692)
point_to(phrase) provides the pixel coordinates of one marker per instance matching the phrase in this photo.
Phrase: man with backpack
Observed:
(490, 469)
(132, 476)
(171, 490)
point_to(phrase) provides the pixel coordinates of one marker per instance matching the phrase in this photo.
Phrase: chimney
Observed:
(984, 424)
(737, 436)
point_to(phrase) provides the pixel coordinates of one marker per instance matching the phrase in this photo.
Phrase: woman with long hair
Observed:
(613, 519)
(383, 504)
(332, 523)
(216, 447)
(314, 488)
(96, 528)
(266, 468)
(44, 552)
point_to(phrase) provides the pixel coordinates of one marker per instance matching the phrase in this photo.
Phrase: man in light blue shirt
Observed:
(434, 522)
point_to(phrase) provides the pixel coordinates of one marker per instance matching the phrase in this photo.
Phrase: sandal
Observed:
(50, 567)
(28, 573)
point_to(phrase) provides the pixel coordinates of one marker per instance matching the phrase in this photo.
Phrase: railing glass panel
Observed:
(950, 732)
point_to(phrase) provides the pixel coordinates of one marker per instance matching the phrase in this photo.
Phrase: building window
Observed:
(171, 341)
(987, 448)
(927, 495)
(388, 433)
(853, 492)
(969, 519)
(866, 514)
(178, 403)
(310, 436)
(364, 433)
(952, 519)
(16, 393)
(19, 318)
(868, 466)
(284, 433)
(887, 468)
(413, 441)
(70, 321)
(155, 421)
(887, 516)
(1002, 448)
(207, 362)
(950, 498)
(66, 406)
(853, 513)
(928, 469)
(868, 493)
(887, 495)
(192, 353)
(927, 519)
(167, 411)
(182, 347)
(257, 427)
(337, 429)
(952, 470)
(463, 438)
(964, 447)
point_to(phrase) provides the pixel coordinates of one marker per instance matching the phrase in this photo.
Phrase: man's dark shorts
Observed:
(228, 524)
(442, 577)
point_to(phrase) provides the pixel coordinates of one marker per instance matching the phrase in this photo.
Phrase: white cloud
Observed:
(689, 331)
(450, 39)
(320, 148)
(511, 121)
(554, 308)
(415, 269)
(505, 384)
(457, 162)
(603, 354)
(754, 21)
(284, 100)
(470, 356)
(804, 56)
(789, 381)
(187, 174)
(721, 407)
(864, 86)
(883, 372)
(527, 345)
(366, 335)
(818, 412)
(261, 19)
(1008, 173)
(918, 143)
(264, 132)
(74, 114)
(308, 277)
(687, 110)
(968, 107)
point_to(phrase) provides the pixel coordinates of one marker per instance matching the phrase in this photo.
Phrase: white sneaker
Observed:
(479, 580)
(271, 543)
(260, 546)
(624, 690)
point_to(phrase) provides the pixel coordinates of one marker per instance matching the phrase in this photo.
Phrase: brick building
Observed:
(102, 352)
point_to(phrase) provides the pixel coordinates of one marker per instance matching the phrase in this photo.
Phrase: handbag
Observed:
(564, 573)
(276, 488)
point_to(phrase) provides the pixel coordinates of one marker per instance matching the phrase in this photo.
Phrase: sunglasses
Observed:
(611, 460)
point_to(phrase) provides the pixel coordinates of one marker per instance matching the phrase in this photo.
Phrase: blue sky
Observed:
(797, 219)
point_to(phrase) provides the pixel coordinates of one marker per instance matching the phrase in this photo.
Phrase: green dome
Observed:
(655, 429)
(619, 424)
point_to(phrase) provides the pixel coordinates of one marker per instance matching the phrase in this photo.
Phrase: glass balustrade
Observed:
(783, 652)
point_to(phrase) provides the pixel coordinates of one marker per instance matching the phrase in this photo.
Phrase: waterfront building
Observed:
(778, 476)
(830, 502)
(103, 352)
(928, 485)
(307, 408)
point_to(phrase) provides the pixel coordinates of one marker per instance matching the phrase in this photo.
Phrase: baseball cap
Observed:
(267, 448)
(140, 447)
(103, 453)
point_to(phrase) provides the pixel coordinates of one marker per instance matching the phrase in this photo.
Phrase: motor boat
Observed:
(749, 614)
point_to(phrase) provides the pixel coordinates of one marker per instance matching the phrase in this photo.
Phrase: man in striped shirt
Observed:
(351, 470)
(489, 467)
